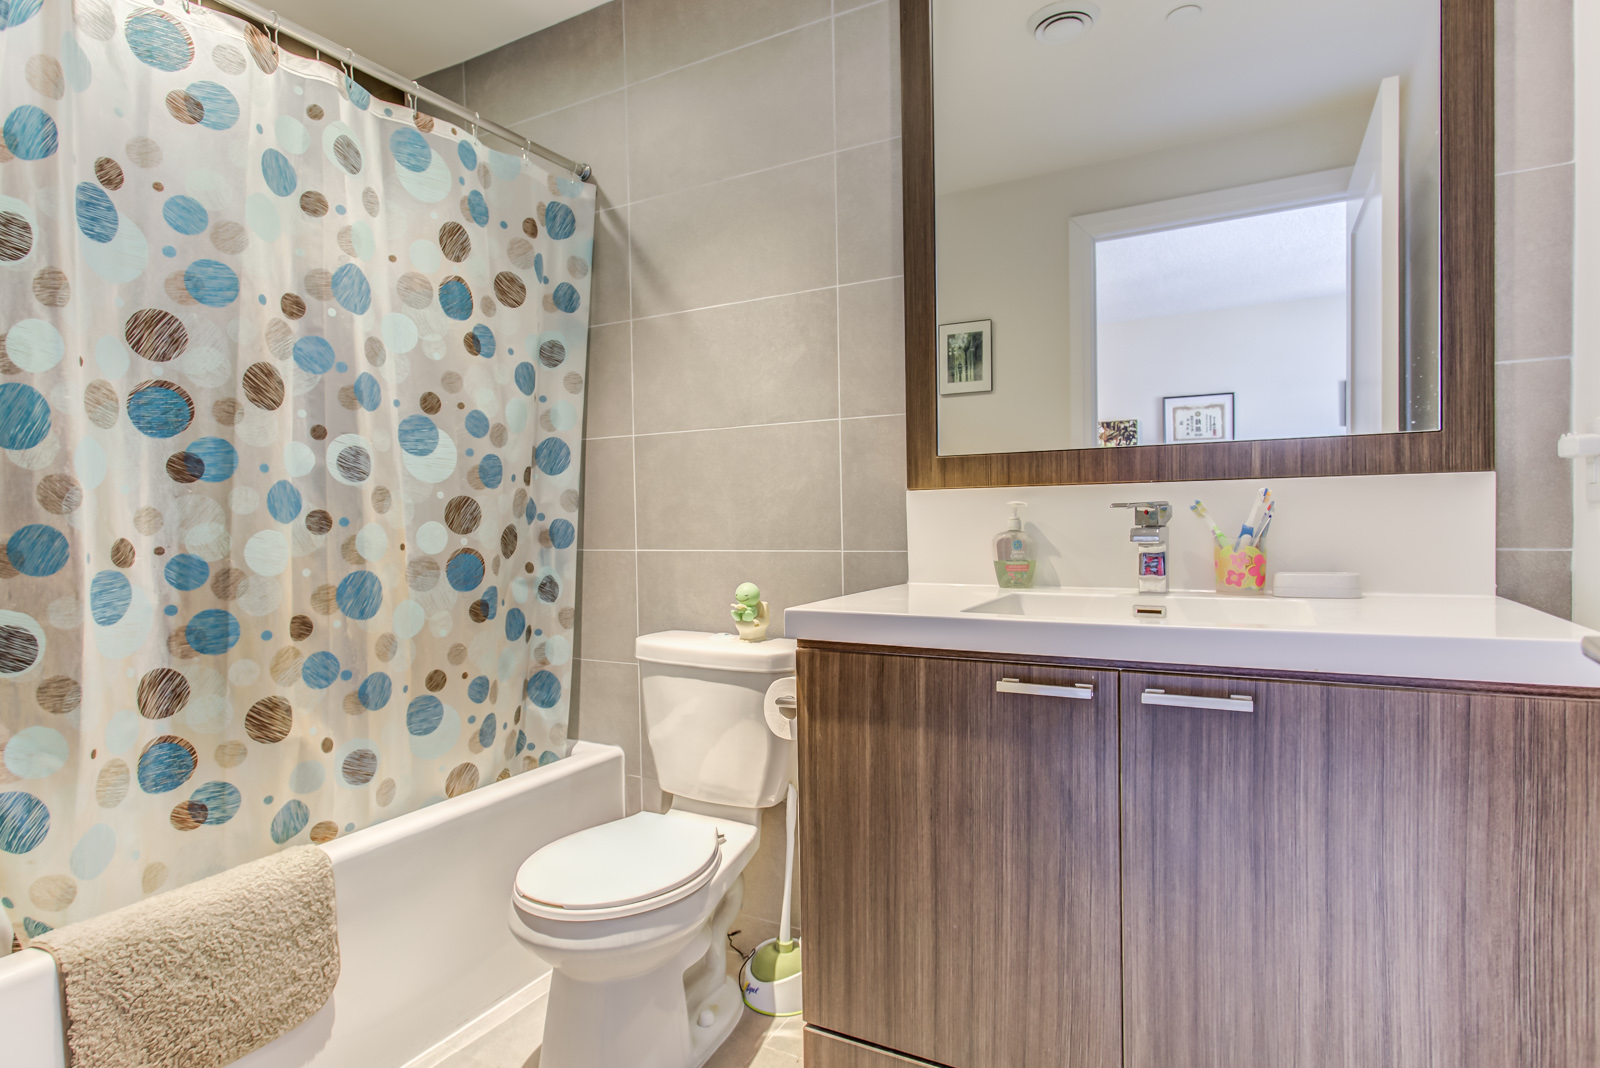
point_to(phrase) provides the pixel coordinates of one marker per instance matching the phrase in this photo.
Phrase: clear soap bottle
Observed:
(1014, 560)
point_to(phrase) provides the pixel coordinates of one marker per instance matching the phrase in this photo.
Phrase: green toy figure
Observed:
(749, 612)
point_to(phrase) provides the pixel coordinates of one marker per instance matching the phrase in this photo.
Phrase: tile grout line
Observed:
(744, 426)
(1530, 170)
(1510, 549)
(838, 329)
(633, 393)
(749, 300)
(1532, 359)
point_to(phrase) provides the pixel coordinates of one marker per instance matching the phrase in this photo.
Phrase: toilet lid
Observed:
(620, 863)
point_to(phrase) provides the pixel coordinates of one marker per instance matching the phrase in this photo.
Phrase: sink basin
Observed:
(1182, 610)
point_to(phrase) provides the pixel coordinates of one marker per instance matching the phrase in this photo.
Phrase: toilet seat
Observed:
(622, 868)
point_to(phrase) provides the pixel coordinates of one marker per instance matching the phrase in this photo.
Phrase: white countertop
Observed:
(1465, 638)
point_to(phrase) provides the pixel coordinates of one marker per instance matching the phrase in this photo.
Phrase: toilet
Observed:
(632, 916)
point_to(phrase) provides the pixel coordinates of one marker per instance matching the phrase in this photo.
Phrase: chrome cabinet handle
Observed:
(1082, 691)
(1236, 703)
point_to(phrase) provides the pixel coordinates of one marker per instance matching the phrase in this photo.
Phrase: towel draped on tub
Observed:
(200, 976)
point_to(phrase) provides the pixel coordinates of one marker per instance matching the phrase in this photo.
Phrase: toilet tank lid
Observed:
(722, 652)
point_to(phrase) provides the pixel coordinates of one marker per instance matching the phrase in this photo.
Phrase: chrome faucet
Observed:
(1149, 533)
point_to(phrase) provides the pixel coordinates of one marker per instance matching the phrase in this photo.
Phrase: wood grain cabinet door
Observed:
(959, 859)
(1353, 877)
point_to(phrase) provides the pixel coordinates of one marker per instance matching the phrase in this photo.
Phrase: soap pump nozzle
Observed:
(1016, 513)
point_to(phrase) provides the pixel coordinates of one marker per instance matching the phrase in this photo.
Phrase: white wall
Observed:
(1586, 309)
(1367, 524)
(1282, 361)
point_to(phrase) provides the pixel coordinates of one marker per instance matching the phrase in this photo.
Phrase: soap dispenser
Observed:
(1014, 560)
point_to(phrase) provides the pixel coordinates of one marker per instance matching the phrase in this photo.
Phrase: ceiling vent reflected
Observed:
(1062, 22)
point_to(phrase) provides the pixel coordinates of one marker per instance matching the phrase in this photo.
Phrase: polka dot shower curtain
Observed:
(290, 406)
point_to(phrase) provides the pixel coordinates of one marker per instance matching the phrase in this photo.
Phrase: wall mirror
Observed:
(1232, 238)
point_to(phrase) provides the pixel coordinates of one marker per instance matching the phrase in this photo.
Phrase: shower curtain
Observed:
(290, 409)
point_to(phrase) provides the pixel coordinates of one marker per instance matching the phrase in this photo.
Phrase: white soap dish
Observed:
(1317, 584)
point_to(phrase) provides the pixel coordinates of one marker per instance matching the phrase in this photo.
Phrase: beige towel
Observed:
(202, 975)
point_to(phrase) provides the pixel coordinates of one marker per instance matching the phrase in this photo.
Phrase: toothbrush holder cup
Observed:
(1241, 571)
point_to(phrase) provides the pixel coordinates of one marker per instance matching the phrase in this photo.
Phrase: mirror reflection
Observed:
(1163, 222)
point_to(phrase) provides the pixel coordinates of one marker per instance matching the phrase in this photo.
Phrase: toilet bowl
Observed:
(632, 915)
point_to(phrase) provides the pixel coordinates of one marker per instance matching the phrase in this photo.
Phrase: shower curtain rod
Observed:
(271, 20)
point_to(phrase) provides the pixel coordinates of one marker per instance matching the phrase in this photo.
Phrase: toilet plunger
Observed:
(771, 977)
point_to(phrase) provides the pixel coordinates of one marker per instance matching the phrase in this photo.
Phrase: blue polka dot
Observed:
(489, 472)
(490, 603)
(168, 251)
(289, 821)
(37, 550)
(170, 610)
(278, 171)
(261, 298)
(565, 298)
(359, 595)
(358, 95)
(24, 821)
(212, 632)
(283, 501)
(221, 799)
(265, 468)
(489, 728)
(562, 534)
(212, 283)
(165, 765)
(159, 410)
(559, 222)
(484, 338)
(219, 457)
(418, 435)
(338, 209)
(186, 571)
(553, 456)
(341, 367)
(15, 14)
(351, 289)
(266, 635)
(221, 109)
(97, 216)
(374, 691)
(464, 570)
(478, 690)
(110, 593)
(468, 155)
(478, 208)
(314, 355)
(524, 377)
(410, 150)
(30, 133)
(24, 416)
(159, 41)
(424, 715)
(320, 671)
(367, 391)
(344, 521)
(502, 224)
(185, 215)
(346, 675)
(477, 423)
(472, 452)
(455, 299)
(544, 689)
(516, 622)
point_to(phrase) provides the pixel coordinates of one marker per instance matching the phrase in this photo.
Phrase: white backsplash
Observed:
(1402, 533)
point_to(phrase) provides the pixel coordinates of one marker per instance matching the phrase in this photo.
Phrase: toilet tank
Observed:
(703, 696)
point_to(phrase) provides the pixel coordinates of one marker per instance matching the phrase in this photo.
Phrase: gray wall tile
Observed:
(608, 411)
(610, 299)
(607, 494)
(593, 132)
(1533, 404)
(447, 81)
(872, 348)
(692, 590)
(869, 212)
(1541, 580)
(768, 487)
(608, 706)
(873, 571)
(866, 74)
(758, 107)
(764, 361)
(1533, 83)
(667, 34)
(608, 608)
(558, 66)
(763, 878)
(1533, 264)
(874, 472)
(754, 236)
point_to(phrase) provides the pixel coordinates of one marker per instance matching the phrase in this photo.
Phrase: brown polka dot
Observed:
(347, 398)
(346, 154)
(156, 335)
(230, 237)
(451, 381)
(263, 386)
(462, 515)
(187, 815)
(485, 176)
(231, 754)
(353, 705)
(318, 521)
(293, 305)
(319, 432)
(386, 790)
(429, 402)
(111, 785)
(52, 893)
(528, 567)
(300, 627)
(359, 767)
(59, 494)
(16, 236)
(510, 290)
(122, 553)
(46, 77)
(435, 680)
(280, 339)
(577, 267)
(463, 778)
(228, 59)
(50, 287)
(144, 152)
(564, 617)
(324, 599)
(324, 831)
(227, 583)
(415, 290)
(478, 612)
(457, 655)
(422, 573)
(154, 875)
(177, 289)
(158, 187)
(185, 108)
(569, 499)
(319, 283)
(108, 172)
(314, 112)
(262, 51)
(285, 666)
(454, 242)
(269, 720)
(370, 202)
(313, 203)
(59, 694)
(487, 305)
(464, 287)
(227, 411)
(385, 647)
(423, 122)
(573, 382)
(354, 463)
(147, 520)
(381, 500)
(530, 227)
(470, 342)
(162, 693)
(375, 352)
(327, 744)
(185, 468)
(520, 253)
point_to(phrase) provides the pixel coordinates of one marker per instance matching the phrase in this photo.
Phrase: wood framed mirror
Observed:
(1228, 235)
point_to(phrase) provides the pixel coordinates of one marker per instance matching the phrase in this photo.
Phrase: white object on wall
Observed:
(1373, 218)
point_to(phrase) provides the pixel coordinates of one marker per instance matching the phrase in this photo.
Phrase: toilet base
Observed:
(727, 1007)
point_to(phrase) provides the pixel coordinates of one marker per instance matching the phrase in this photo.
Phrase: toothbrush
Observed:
(1247, 532)
(1266, 525)
(1199, 509)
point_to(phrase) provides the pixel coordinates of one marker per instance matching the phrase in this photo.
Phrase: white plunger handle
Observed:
(790, 804)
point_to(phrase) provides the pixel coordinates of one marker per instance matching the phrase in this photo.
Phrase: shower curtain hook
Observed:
(475, 125)
(350, 61)
(274, 15)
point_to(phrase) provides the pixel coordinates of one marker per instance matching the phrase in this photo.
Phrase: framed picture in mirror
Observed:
(1202, 418)
(966, 358)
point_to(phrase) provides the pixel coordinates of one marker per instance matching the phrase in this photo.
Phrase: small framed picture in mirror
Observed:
(966, 358)
(1207, 417)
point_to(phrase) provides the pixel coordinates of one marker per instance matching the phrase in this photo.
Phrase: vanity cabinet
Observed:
(1188, 871)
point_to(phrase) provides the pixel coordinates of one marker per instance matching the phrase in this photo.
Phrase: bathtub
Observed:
(427, 957)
